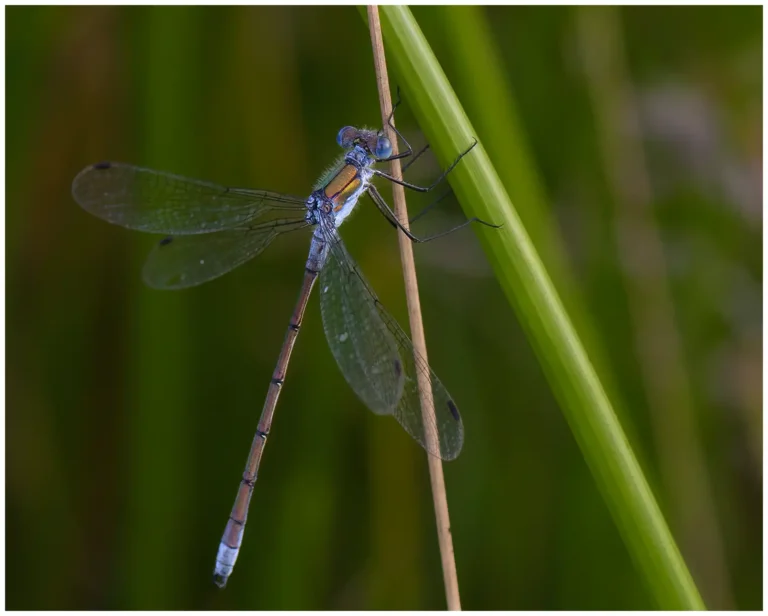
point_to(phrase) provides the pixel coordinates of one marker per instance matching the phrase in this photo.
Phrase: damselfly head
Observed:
(374, 143)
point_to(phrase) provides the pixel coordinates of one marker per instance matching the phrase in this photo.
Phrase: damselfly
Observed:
(211, 229)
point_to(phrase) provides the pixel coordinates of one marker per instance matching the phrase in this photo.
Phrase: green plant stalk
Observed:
(529, 289)
(493, 107)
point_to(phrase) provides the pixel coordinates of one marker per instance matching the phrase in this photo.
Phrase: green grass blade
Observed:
(529, 289)
(489, 100)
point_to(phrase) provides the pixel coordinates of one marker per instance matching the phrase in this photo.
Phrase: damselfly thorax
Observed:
(339, 190)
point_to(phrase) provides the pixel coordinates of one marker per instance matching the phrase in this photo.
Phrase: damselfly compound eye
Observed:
(383, 148)
(346, 136)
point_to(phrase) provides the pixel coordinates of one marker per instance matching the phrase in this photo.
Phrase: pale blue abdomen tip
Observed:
(225, 562)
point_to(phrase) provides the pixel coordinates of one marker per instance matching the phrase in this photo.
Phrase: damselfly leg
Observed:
(390, 216)
(408, 150)
(415, 158)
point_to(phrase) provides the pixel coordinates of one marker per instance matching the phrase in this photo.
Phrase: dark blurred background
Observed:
(130, 411)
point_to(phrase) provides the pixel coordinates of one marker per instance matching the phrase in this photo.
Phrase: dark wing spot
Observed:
(398, 368)
(102, 165)
(166, 240)
(454, 410)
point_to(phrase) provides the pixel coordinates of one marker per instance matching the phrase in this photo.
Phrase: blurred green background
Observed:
(130, 411)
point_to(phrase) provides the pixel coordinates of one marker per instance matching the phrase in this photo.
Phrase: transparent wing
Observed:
(159, 202)
(189, 260)
(377, 358)
(366, 352)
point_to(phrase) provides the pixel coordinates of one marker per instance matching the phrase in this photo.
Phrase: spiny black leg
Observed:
(438, 200)
(415, 157)
(390, 216)
(436, 182)
(395, 106)
(408, 150)
(461, 226)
